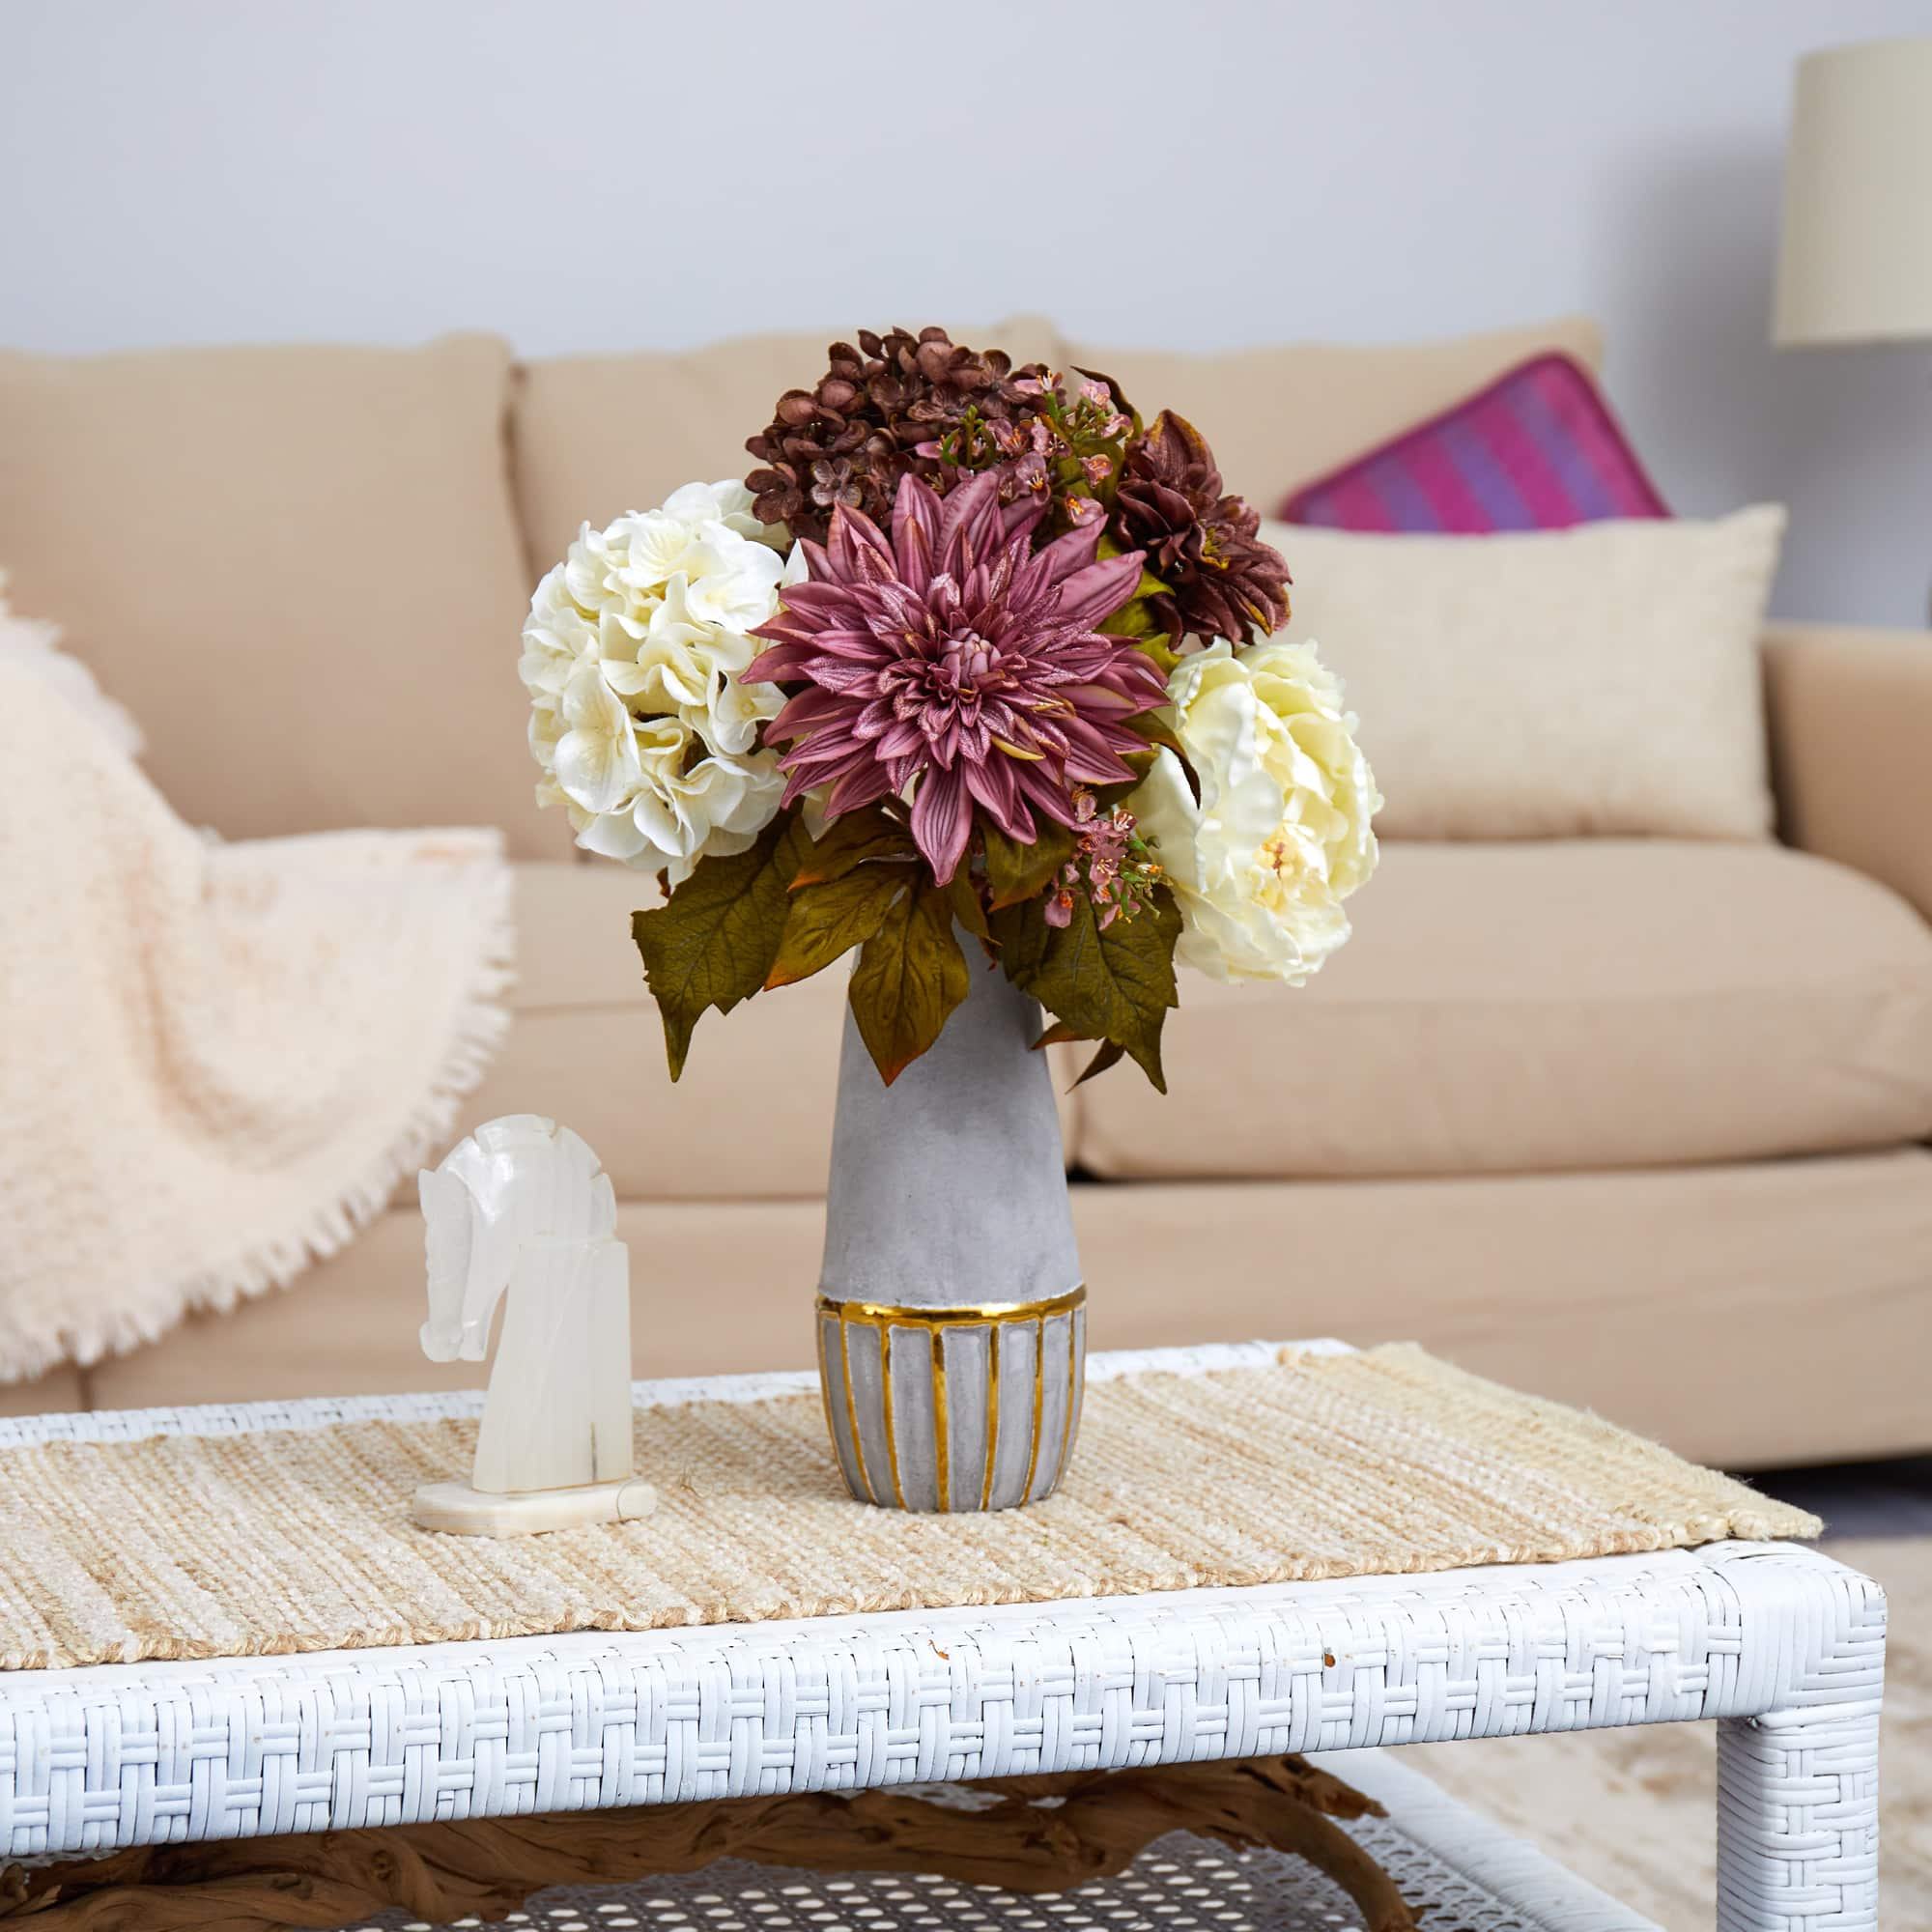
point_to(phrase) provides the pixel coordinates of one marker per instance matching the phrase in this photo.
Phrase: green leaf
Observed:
(1114, 984)
(850, 839)
(712, 943)
(1136, 618)
(1017, 871)
(910, 977)
(826, 921)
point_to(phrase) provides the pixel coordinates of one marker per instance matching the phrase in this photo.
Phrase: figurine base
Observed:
(458, 1510)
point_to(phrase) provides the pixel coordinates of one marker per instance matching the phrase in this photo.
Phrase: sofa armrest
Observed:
(1851, 748)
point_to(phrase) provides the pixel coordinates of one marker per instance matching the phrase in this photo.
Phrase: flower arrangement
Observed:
(975, 658)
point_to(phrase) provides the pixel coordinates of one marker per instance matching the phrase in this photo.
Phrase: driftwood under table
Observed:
(1035, 1835)
(1781, 1647)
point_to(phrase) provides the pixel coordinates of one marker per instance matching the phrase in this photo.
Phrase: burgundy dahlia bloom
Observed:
(957, 657)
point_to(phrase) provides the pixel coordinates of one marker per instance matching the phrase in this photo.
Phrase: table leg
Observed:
(1798, 1819)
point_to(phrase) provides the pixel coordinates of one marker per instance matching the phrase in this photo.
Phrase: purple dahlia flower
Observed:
(956, 656)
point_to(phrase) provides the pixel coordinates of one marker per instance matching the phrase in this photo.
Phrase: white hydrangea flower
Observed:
(1280, 835)
(632, 653)
(647, 792)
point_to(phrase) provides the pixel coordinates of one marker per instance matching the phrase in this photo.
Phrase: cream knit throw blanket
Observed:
(217, 1061)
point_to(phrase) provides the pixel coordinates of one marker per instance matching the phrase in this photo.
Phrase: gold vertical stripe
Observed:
(942, 1447)
(992, 1413)
(818, 1321)
(1066, 1421)
(852, 1412)
(1039, 1406)
(891, 1432)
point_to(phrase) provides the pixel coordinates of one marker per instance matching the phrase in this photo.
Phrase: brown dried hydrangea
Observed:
(851, 438)
(1222, 581)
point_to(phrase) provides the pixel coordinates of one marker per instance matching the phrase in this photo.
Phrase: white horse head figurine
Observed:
(516, 1181)
(522, 1211)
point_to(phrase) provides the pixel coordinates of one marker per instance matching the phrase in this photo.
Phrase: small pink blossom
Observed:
(1027, 477)
(1112, 866)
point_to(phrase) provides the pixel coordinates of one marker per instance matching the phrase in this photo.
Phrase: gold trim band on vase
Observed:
(967, 1315)
(884, 1317)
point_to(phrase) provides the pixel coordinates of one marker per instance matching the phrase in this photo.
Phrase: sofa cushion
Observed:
(752, 1118)
(595, 436)
(1281, 416)
(297, 567)
(1498, 1273)
(1587, 1005)
(716, 1286)
(1551, 684)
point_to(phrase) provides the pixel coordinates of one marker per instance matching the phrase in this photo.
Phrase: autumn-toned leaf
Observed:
(910, 976)
(1140, 764)
(1111, 1054)
(826, 921)
(1061, 1033)
(1153, 726)
(967, 907)
(852, 838)
(712, 943)
(1058, 1034)
(1115, 984)
(1016, 871)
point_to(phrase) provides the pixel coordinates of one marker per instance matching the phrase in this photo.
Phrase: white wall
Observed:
(605, 173)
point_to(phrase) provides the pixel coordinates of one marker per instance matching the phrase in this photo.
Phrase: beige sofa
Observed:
(1640, 1124)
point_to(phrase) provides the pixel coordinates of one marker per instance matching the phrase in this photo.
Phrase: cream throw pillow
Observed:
(1549, 684)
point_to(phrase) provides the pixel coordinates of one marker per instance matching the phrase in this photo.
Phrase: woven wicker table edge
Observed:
(1780, 1644)
(112, 1755)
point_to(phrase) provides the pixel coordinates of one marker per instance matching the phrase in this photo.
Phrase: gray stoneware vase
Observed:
(952, 1319)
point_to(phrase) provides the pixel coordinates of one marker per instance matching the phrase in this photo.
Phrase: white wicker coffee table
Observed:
(1780, 1646)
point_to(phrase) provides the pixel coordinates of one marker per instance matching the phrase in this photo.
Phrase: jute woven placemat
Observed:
(273, 1541)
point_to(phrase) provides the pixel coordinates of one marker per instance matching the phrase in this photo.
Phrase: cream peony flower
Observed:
(631, 655)
(1279, 836)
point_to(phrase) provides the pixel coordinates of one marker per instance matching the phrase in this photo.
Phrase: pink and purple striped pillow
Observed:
(1535, 450)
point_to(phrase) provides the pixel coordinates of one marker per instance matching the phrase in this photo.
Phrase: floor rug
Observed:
(1632, 1811)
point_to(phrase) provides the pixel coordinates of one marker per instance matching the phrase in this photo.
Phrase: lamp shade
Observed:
(1855, 260)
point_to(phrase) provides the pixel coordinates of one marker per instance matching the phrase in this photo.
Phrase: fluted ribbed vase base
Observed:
(953, 1408)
